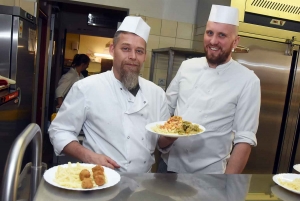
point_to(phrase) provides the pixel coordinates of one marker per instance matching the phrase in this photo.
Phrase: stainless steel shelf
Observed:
(172, 52)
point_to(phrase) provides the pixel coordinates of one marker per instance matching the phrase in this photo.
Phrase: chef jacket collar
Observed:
(220, 68)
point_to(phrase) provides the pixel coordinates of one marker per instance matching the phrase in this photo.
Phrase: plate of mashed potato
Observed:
(289, 181)
(81, 176)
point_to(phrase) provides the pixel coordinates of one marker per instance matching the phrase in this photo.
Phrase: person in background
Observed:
(85, 73)
(80, 63)
(222, 95)
(113, 109)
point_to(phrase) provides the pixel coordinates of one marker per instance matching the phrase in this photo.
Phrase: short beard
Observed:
(219, 59)
(130, 79)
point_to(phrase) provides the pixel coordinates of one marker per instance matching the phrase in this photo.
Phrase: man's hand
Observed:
(164, 142)
(59, 102)
(78, 151)
(103, 160)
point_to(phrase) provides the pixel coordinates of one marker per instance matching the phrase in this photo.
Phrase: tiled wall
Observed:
(167, 33)
(25, 5)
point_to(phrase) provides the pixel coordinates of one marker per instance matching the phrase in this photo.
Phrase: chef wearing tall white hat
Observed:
(222, 95)
(113, 109)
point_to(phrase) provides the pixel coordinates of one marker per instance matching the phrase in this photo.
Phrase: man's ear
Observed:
(111, 49)
(236, 41)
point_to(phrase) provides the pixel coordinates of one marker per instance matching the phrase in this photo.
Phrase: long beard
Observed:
(129, 78)
(220, 58)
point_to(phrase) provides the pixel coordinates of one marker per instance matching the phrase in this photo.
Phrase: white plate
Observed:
(286, 177)
(297, 167)
(284, 194)
(112, 177)
(151, 125)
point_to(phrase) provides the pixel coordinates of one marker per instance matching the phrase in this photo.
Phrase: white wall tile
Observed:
(166, 42)
(182, 43)
(153, 42)
(184, 30)
(198, 46)
(146, 73)
(8, 3)
(138, 15)
(200, 30)
(198, 37)
(169, 28)
(148, 58)
(155, 25)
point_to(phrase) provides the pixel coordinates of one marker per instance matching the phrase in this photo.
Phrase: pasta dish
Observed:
(80, 176)
(175, 125)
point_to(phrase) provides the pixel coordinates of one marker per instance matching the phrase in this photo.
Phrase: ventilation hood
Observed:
(276, 20)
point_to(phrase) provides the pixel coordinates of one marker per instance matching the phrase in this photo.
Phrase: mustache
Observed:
(132, 63)
(213, 46)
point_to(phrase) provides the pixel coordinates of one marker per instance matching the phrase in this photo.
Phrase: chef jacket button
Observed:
(142, 138)
(129, 162)
(141, 114)
(128, 137)
(121, 88)
(144, 102)
(144, 161)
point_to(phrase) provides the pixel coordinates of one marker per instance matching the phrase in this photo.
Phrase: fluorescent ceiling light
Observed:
(108, 56)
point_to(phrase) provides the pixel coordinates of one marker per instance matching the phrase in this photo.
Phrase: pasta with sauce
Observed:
(175, 125)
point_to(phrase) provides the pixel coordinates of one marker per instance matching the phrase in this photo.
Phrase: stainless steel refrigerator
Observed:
(17, 61)
(277, 66)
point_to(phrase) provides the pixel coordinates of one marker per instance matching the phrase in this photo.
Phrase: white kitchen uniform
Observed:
(113, 120)
(225, 100)
(66, 82)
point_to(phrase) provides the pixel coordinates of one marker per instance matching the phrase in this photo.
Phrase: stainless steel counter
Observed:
(171, 187)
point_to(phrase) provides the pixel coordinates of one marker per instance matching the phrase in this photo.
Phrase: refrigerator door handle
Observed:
(14, 50)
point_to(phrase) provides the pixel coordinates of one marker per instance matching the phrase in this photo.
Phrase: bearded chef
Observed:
(113, 108)
(222, 95)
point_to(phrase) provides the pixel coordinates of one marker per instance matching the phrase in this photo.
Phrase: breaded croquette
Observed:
(99, 180)
(84, 174)
(97, 173)
(98, 168)
(87, 183)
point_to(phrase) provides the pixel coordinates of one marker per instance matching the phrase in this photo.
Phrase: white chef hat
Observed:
(224, 14)
(135, 25)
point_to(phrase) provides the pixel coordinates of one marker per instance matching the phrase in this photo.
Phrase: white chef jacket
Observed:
(225, 100)
(112, 119)
(66, 82)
